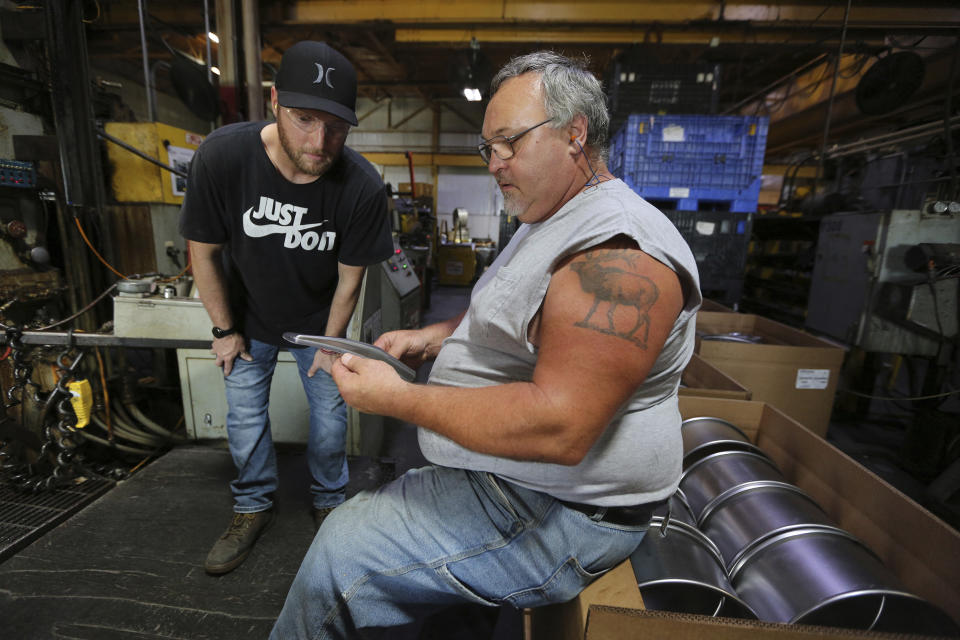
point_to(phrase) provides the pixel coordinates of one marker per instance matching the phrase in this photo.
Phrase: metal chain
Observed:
(60, 440)
(22, 370)
(64, 435)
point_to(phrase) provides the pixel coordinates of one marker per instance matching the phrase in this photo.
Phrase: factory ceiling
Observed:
(419, 50)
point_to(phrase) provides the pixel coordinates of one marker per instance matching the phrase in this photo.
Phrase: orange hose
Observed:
(95, 252)
(106, 396)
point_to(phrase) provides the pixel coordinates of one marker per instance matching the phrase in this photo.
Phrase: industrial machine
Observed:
(148, 195)
(887, 281)
(456, 256)
(389, 300)
(25, 252)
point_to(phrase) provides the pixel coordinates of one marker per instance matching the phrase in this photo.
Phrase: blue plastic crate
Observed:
(692, 162)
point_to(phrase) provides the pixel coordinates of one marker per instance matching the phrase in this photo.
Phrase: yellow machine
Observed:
(136, 180)
(457, 264)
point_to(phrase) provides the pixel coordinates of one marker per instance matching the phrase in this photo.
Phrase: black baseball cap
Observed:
(314, 76)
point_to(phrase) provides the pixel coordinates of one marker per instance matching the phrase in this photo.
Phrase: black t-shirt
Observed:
(283, 240)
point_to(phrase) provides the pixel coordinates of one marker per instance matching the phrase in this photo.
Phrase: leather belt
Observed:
(627, 516)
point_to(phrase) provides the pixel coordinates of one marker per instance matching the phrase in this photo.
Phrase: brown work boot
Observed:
(319, 515)
(235, 544)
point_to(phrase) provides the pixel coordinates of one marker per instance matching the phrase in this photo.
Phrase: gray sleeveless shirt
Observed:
(637, 459)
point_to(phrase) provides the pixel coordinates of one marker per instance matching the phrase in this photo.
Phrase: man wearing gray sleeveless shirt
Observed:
(550, 417)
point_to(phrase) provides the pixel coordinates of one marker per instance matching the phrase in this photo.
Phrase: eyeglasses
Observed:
(309, 123)
(503, 145)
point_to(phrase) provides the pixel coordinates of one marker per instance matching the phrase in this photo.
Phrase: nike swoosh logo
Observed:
(255, 230)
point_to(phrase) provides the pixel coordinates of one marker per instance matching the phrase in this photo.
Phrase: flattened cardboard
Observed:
(776, 371)
(705, 380)
(617, 623)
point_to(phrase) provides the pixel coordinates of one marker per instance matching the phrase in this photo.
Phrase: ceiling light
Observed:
(215, 70)
(472, 95)
(213, 37)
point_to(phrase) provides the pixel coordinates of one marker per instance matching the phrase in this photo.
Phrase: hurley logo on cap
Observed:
(323, 77)
(314, 76)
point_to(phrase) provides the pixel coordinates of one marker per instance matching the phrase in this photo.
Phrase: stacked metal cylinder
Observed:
(737, 540)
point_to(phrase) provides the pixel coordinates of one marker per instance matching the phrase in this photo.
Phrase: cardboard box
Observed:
(617, 588)
(423, 189)
(457, 264)
(705, 380)
(792, 370)
(922, 550)
(713, 305)
(613, 623)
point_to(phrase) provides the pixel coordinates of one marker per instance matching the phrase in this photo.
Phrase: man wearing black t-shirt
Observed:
(282, 220)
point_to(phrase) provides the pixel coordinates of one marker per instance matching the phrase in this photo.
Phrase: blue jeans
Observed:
(437, 537)
(248, 431)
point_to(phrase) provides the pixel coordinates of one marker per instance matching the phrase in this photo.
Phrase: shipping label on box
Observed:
(813, 378)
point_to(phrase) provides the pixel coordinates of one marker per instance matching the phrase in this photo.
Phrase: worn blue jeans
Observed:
(437, 537)
(248, 431)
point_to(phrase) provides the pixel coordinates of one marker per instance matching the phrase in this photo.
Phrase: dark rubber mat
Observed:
(130, 565)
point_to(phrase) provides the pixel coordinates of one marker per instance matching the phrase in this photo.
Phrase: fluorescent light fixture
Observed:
(215, 70)
(213, 37)
(472, 95)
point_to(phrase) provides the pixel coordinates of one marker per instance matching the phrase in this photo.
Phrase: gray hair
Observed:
(569, 90)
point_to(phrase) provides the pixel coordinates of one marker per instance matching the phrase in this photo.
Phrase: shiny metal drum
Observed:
(825, 576)
(748, 514)
(734, 336)
(706, 479)
(678, 569)
(705, 435)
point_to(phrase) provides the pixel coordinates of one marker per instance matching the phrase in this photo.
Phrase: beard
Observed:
(514, 203)
(511, 206)
(312, 167)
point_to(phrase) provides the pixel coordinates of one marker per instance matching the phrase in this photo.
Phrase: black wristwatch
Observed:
(223, 333)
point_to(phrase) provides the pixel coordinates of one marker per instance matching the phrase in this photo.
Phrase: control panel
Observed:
(400, 273)
(15, 173)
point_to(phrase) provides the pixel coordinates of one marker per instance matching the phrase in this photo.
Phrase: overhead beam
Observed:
(782, 169)
(401, 70)
(810, 88)
(614, 12)
(777, 15)
(425, 159)
(470, 121)
(658, 34)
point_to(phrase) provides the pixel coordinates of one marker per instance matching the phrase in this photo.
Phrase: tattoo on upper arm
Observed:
(614, 288)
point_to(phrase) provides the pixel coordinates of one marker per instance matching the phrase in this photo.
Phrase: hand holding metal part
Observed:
(353, 347)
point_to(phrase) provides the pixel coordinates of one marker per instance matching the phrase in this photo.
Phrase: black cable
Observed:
(931, 282)
(897, 44)
(595, 179)
(77, 314)
(120, 143)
